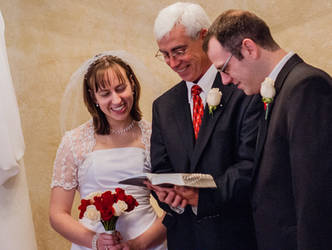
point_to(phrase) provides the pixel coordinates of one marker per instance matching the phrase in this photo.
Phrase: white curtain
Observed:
(16, 229)
(11, 137)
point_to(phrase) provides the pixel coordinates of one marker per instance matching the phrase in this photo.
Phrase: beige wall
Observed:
(48, 39)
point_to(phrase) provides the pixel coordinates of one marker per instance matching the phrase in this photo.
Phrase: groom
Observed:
(187, 140)
(292, 195)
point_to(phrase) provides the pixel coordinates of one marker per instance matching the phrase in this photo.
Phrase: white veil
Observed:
(73, 110)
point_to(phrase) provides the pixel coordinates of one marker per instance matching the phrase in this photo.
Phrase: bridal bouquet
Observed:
(106, 207)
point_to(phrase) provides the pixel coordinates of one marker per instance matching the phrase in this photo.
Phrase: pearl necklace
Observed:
(124, 130)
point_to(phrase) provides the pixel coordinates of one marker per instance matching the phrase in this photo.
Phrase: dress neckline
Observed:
(116, 149)
(140, 125)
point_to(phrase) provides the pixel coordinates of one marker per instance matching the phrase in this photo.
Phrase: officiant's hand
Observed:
(167, 195)
(189, 194)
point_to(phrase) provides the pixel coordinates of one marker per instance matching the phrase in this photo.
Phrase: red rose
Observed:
(107, 213)
(82, 207)
(120, 194)
(104, 204)
(131, 202)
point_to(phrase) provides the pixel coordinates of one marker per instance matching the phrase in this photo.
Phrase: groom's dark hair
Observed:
(232, 26)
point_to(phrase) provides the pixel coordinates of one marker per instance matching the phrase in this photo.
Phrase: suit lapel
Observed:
(263, 128)
(210, 121)
(292, 62)
(182, 116)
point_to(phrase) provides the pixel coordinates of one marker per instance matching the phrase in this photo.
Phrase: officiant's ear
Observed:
(202, 33)
(249, 48)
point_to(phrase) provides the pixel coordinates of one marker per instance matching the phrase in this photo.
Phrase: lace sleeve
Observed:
(146, 135)
(65, 169)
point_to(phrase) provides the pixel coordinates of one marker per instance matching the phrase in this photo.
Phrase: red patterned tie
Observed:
(198, 108)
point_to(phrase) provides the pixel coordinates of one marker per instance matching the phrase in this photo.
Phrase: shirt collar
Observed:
(205, 82)
(275, 72)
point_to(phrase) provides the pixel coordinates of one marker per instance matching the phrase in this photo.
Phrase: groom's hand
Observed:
(189, 194)
(167, 195)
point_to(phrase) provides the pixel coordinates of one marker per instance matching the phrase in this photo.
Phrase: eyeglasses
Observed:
(224, 67)
(176, 54)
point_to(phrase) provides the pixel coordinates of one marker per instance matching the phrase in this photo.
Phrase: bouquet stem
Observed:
(110, 224)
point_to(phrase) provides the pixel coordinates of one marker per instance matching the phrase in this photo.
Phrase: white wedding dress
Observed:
(77, 166)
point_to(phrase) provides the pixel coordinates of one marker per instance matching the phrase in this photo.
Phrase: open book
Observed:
(170, 179)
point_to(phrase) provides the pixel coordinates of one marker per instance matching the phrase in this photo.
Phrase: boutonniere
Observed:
(213, 99)
(267, 92)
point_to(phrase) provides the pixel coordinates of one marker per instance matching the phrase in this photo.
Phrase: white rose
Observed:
(267, 88)
(213, 97)
(119, 207)
(92, 214)
(92, 195)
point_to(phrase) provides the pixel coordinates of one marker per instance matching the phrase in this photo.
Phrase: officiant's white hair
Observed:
(190, 15)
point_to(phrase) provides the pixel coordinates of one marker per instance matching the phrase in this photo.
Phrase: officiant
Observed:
(189, 137)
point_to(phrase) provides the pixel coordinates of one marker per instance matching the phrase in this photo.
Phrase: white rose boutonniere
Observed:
(267, 92)
(213, 99)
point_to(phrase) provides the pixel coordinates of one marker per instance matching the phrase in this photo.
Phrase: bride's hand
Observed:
(120, 246)
(109, 241)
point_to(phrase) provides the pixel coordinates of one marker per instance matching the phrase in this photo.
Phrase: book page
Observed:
(169, 179)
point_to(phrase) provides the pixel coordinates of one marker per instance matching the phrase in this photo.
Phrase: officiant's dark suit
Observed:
(225, 149)
(224, 146)
(292, 183)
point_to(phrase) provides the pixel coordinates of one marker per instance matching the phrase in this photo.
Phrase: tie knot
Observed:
(195, 90)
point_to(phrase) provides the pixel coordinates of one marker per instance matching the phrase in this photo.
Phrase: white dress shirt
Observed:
(205, 83)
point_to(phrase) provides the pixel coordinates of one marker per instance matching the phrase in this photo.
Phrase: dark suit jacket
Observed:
(225, 149)
(292, 199)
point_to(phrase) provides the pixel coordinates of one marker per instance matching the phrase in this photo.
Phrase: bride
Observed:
(114, 144)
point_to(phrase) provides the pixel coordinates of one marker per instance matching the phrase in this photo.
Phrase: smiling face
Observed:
(193, 62)
(239, 72)
(115, 95)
